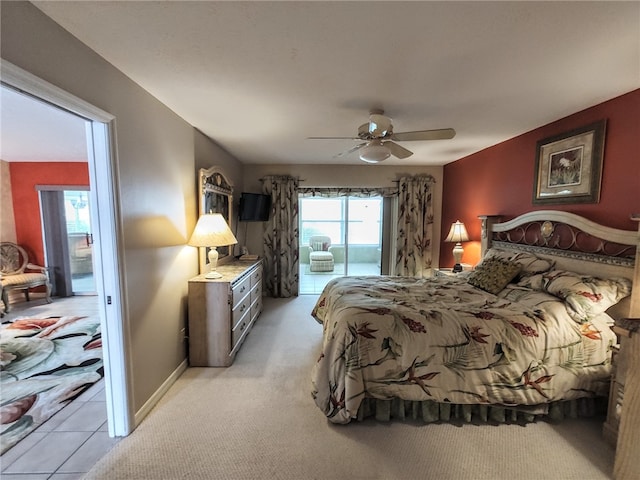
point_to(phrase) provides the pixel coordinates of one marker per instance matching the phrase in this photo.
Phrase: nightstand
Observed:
(448, 272)
(623, 417)
(445, 272)
(620, 362)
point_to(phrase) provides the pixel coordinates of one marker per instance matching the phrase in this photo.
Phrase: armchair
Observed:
(320, 258)
(16, 273)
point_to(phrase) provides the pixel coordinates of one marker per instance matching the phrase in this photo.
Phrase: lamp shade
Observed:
(458, 233)
(212, 231)
(375, 151)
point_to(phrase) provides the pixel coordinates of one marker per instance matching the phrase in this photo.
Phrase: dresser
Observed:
(222, 312)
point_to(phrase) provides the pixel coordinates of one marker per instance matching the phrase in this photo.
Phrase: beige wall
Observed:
(156, 164)
(7, 222)
(336, 176)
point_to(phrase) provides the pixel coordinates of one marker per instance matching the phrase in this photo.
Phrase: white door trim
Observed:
(108, 239)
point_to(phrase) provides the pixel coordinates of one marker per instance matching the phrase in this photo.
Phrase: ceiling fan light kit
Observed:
(374, 152)
(378, 137)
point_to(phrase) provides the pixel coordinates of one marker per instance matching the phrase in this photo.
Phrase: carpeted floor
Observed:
(45, 363)
(257, 420)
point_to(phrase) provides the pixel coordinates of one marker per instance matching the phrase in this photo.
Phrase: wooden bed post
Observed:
(635, 293)
(485, 231)
(627, 461)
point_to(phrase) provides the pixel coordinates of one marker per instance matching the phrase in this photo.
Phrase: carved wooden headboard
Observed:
(574, 243)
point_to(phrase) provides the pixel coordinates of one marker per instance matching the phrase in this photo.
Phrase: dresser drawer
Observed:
(256, 277)
(240, 309)
(256, 292)
(240, 290)
(240, 329)
(256, 308)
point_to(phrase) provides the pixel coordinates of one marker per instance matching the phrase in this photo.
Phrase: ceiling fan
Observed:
(378, 139)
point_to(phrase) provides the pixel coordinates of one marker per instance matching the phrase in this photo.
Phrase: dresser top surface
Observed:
(229, 271)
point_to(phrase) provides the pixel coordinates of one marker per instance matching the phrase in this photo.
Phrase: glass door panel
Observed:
(364, 233)
(354, 229)
(80, 241)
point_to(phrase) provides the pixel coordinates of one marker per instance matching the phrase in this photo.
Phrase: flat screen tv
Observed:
(254, 207)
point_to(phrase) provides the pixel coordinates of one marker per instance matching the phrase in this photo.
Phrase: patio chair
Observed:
(320, 258)
(17, 273)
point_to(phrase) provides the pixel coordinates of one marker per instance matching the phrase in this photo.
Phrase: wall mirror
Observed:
(215, 195)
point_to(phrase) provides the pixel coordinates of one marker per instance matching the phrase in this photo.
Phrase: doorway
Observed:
(98, 127)
(339, 236)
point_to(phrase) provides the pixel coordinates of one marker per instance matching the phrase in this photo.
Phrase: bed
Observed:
(526, 334)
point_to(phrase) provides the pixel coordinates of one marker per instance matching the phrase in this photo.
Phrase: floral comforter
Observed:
(444, 340)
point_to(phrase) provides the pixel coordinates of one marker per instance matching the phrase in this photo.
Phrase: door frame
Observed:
(108, 240)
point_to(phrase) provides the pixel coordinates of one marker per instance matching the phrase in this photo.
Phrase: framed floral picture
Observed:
(569, 166)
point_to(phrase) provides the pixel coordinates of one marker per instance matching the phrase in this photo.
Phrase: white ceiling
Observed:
(34, 131)
(261, 77)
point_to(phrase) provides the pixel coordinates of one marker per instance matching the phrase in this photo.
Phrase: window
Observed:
(357, 219)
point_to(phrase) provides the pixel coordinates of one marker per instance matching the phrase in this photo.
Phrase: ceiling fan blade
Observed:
(334, 138)
(398, 151)
(351, 150)
(440, 134)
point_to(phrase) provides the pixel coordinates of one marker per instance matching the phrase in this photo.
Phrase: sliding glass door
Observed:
(68, 241)
(80, 241)
(338, 236)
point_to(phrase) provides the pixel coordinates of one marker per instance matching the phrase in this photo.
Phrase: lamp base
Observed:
(457, 257)
(213, 263)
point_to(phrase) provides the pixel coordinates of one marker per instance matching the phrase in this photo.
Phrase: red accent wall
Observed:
(26, 204)
(499, 180)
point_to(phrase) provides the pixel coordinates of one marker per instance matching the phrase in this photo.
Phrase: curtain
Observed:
(415, 226)
(333, 192)
(281, 254)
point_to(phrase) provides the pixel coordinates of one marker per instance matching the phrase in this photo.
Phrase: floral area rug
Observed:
(44, 364)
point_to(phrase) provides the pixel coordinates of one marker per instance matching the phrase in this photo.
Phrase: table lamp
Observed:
(212, 231)
(457, 234)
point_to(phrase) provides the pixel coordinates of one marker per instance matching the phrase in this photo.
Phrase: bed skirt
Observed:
(430, 411)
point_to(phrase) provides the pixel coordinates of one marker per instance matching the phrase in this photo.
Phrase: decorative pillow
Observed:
(317, 246)
(585, 296)
(531, 264)
(493, 274)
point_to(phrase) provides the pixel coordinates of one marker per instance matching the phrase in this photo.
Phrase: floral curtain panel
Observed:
(415, 226)
(281, 254)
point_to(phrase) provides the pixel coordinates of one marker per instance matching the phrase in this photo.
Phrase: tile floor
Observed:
(74, 439)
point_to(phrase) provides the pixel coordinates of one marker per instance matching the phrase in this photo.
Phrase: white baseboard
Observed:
(158, 394)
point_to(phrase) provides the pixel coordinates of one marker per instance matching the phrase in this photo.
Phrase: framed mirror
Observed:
(215, 195)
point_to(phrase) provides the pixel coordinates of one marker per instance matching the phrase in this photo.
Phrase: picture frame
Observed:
(568, 167)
